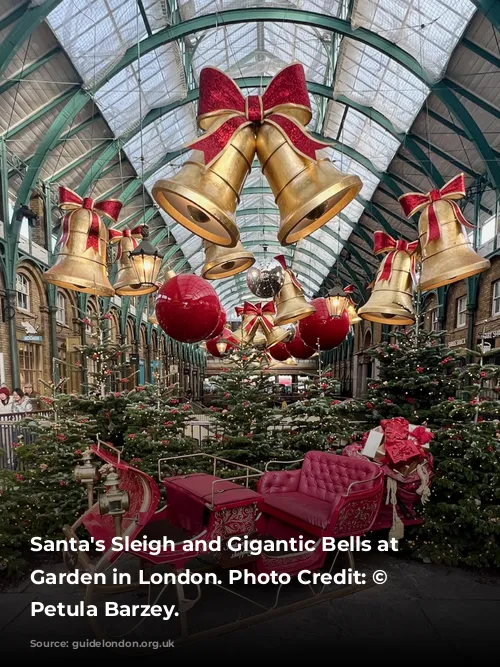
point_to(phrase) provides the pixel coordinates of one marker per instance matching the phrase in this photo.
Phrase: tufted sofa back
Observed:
(325, 476)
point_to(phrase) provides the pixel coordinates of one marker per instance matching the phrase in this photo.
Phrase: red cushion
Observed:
(324, 475)
(297, 505)
(199, 485)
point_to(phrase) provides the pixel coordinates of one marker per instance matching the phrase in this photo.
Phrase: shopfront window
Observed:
(61, 308)
(495, 306)
(30, 364)
(461, 311)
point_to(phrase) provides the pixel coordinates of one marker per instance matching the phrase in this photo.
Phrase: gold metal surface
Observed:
(449, 258)
(222, 262)
(127, 282)
(77, 267)
(276, 335)
(204, 200)
(354, 318)
(391, 301)
(308, 193)
(290, 303)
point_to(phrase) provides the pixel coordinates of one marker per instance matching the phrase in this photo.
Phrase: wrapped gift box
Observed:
(409, 443)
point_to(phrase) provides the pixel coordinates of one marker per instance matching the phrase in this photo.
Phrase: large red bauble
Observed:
(320, 328)
(188, 308)
(220, 325)
(279, 352)
(228, 337)
(298, 349)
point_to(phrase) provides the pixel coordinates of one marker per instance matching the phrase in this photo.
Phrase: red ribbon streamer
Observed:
(281, 259)
(385, 243)
(71, 201)
(349, 289)
(258, 312)
(220, 96)
(117, 235)
(412, 202)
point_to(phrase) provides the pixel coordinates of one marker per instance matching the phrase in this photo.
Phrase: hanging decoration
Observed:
(298, 349)
(337, 301)
(279, 352)
(81, 263)
(220, 324)
(146, 262)
(219, 346)
(204, 195)
(126, 282)
(447, 254)
(221, 262)
(354, 318)
(257, 325)
(321, 330)
(391, 300)
(291, 305)
(266, 278)
(187, 308)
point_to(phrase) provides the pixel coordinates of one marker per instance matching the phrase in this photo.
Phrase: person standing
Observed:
(32, 395)
(21, 402)
(5, 402)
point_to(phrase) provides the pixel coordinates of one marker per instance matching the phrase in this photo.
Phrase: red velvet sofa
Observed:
(329, 496)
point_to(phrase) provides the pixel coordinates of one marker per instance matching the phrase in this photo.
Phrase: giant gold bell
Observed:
(78, 267)
(391, 301)
(290, 303)
(276, 335)
(308, 193)
(204, 199)
(450, 257)
(221, 262)
(354, 318)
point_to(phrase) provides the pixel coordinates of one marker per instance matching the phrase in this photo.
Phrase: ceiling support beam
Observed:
(22, 74)
(483, 53)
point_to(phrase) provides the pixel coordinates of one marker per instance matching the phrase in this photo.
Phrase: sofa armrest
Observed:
(282, 481)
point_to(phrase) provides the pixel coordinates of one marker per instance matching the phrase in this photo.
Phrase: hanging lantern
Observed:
(290, 302)
(391, 300)
(81, 263)
(447, 254)
(321, 330)
(337, 301)
(222, 262)
(298, 349)
(354, 318)
(146, 262)
(187, 308)
(126, 283)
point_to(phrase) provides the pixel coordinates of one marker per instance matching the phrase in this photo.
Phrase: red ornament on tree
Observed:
(219, 329)
(298, 349)
(323, 329)
(279, 352)
(187, 308)
(226, 337)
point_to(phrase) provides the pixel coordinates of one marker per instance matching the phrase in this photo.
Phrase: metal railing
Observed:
(13, 429)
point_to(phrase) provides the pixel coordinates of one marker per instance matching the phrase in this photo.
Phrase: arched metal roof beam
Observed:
(491, 9)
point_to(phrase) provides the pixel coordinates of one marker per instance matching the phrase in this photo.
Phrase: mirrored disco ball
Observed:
(265, 279)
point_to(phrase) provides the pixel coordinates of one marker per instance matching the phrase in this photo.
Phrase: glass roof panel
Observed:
(260, 200)
(323, 256)
(255, 238)
(285, 43)
(168, 133)
(95, 35)
(225, 47)
(255, 179)
(347, 165)
(166, 171)
(371, 78)
(362, 133)
(191, 8)
(429, 30)
(162, 81)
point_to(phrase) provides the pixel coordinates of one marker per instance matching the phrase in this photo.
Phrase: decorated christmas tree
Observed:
(462, 523)
(415, 373)
(241, 428)
(317, 422)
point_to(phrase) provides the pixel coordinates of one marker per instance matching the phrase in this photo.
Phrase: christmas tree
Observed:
(317, 422)
(242, 427)
(462, 523)
(415, 373)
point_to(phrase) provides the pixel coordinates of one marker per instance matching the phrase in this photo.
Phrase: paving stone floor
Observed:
(422, 612)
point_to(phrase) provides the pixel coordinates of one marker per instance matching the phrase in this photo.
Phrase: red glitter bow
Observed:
(349, 289)
(257, 312)
(281, 259)
(71, 201)
(385, 243)
(117, 235)
(221, 97)
(412, 202)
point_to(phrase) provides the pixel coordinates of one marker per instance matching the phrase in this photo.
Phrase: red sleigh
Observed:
(329, 496)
